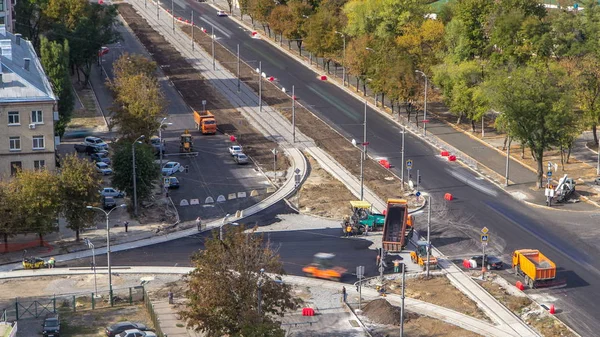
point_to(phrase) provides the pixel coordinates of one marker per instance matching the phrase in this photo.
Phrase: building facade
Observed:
(27, 108)
(7, 14)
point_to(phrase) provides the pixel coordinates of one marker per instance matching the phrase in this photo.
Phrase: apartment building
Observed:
(7, 14)
(27, 108)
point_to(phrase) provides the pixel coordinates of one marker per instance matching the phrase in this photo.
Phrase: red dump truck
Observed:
(538, 270)
(398, 226)
(205, 122)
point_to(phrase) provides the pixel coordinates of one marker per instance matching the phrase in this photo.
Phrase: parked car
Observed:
(109, 202)
(101, 156)
(51, 326)
(137, 333)
(117, 328)
(491, 262)
(87, 149)
(103, 168)
(241, 158)
(111, 192)
(172, 182)
(221, 13)
(235, 149)
(171, 168)
(95, 141)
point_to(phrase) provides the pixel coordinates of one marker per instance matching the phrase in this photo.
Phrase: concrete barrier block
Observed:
(241, 194)
(254, 193)
(231, 196)
(209, 200)
(194, 202)
(221, 198)
(184, 202)
(271, 189)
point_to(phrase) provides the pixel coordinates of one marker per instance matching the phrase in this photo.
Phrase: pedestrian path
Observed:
(168, 315)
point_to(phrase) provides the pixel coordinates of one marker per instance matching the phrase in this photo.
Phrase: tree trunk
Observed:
(41, 239)
(540, 168)
(569, 152)
(392, 105)
(383, 100)
(78, 230)
(289, 45)
(473, 125)
(299, 43)
(562, 157)
(5, 242)
(357, 84)
(459, 118)
(504, 145)
(365, 87)
(523, 151)
(594, 132)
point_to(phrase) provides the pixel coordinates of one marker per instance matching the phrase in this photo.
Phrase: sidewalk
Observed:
(482, 155)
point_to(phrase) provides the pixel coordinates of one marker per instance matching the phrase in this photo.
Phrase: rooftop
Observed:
(23, 79)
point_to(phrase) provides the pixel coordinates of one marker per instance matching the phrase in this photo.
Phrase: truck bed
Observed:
(394, 228)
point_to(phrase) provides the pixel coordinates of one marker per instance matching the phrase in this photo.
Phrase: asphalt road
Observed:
(477, 203)
(212, 173)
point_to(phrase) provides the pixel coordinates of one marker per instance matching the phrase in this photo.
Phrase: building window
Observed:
(39, 164)
(2, 5)
(15, 143)
(37, 117)
(2, 20)
(15, 166)
(13, 118)
(38, 142)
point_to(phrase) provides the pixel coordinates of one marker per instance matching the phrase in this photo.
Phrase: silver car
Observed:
(103, 168)
(111, 192)
(241, 158)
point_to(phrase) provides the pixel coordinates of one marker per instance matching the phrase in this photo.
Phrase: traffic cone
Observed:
(552, 309)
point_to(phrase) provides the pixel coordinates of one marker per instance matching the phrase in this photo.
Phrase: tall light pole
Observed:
(402, 159)
(365, 130)
(344, 58)
(223, 224)
(135, 208)
(91, 246)
(428, 231)
(598, 165)
(293, 115)
(508, 162)
(362, 156)
(425, 102)
(212, 38)
(238, 68)
(161, 147)
(259, 85)
(173, 13)
(107, 214)
(193, 30)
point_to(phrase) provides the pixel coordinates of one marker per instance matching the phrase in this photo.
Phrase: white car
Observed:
(103, 168)
(111, 192)
(136, 333)
(221, 13)
(240, 158)
(95, 142)
(170, 168)
(235, 149)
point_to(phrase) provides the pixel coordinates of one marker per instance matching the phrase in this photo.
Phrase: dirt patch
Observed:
(323, 195)
(382, 312)
(177, 287)
(516, 304)
(85, 114)
(93, 322)
(194, 88)
(438, 290)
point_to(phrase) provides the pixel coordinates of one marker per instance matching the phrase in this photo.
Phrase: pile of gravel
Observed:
(380, 311)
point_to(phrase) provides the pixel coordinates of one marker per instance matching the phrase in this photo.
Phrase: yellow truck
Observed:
(397, 226)
(538, 270)
(205, 122)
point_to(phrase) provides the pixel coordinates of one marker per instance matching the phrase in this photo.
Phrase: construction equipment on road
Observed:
(398, 225)
(538, 270)
(33, 262)
(186, 142)
(564, 189)
(419, 256)
(205, 122)
(362, 217)
(322, 267)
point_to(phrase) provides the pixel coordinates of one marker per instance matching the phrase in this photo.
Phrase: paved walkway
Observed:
(167, 315)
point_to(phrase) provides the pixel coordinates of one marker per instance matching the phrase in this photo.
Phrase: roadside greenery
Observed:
(468, 51)
(223, 289)
(147, 171)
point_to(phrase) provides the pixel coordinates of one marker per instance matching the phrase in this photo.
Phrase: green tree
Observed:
(466, 34)
(55, 60)
(79, 185)
(222, 289)
(383, 19)
(37, 201)
(31, 20)
(537, 105)
(321, 38)
(424, 43)
(9, 224)
(146, 171)
(357, 59)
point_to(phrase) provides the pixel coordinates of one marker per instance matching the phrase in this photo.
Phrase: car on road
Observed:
(221, 13)
(51, 326)
(95, 141)
(87, 149)
(109, 202)
(103, 168)
(111, 192)
(117, 328)
(241, 158)
(235, 149)
(171, 168)
(101, 156)
(172, 182)
(491, 262)
(136, 333)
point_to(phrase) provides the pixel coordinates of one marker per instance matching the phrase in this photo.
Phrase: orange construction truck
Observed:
(538, 270)
(205, 122)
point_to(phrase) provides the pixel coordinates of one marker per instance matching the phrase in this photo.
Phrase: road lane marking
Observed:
(347, 110)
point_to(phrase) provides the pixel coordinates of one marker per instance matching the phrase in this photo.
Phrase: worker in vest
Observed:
(396, 266)
(348, 230)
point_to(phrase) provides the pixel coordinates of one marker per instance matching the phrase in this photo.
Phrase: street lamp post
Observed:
(402, 159)
(107, 214)
(293, 115)
(362, 156)
(212, 37)
(344, 58)
(91, 246)
(223, 224)
(428, 231)
(135, 209)
(425, 102)
(161, 148)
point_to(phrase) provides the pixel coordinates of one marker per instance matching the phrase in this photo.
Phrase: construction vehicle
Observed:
(564, 189)
(398, 225)
(538, 270)
(419, 256)
(362, 216)
(205, 122)
(186, 142)
(322, 267)
(33, 262)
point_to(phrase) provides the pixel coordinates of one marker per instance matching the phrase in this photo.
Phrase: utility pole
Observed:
(425, 108)
(135, 211)
(365, 130)
(91, 245)
(428, 231)
(238, 68)
(259, 85)
(193, 29)
(403, 297)
(212, 32)
(402, 167)
(508, 162)
(293, 115)
(173, 13)
(598, 165)
(157, 9)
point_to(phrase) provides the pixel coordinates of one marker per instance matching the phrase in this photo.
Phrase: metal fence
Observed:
(152, 314)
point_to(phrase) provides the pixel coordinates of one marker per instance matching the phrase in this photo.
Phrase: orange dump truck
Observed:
(205, 122)
(537, 269)
(398, 225)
